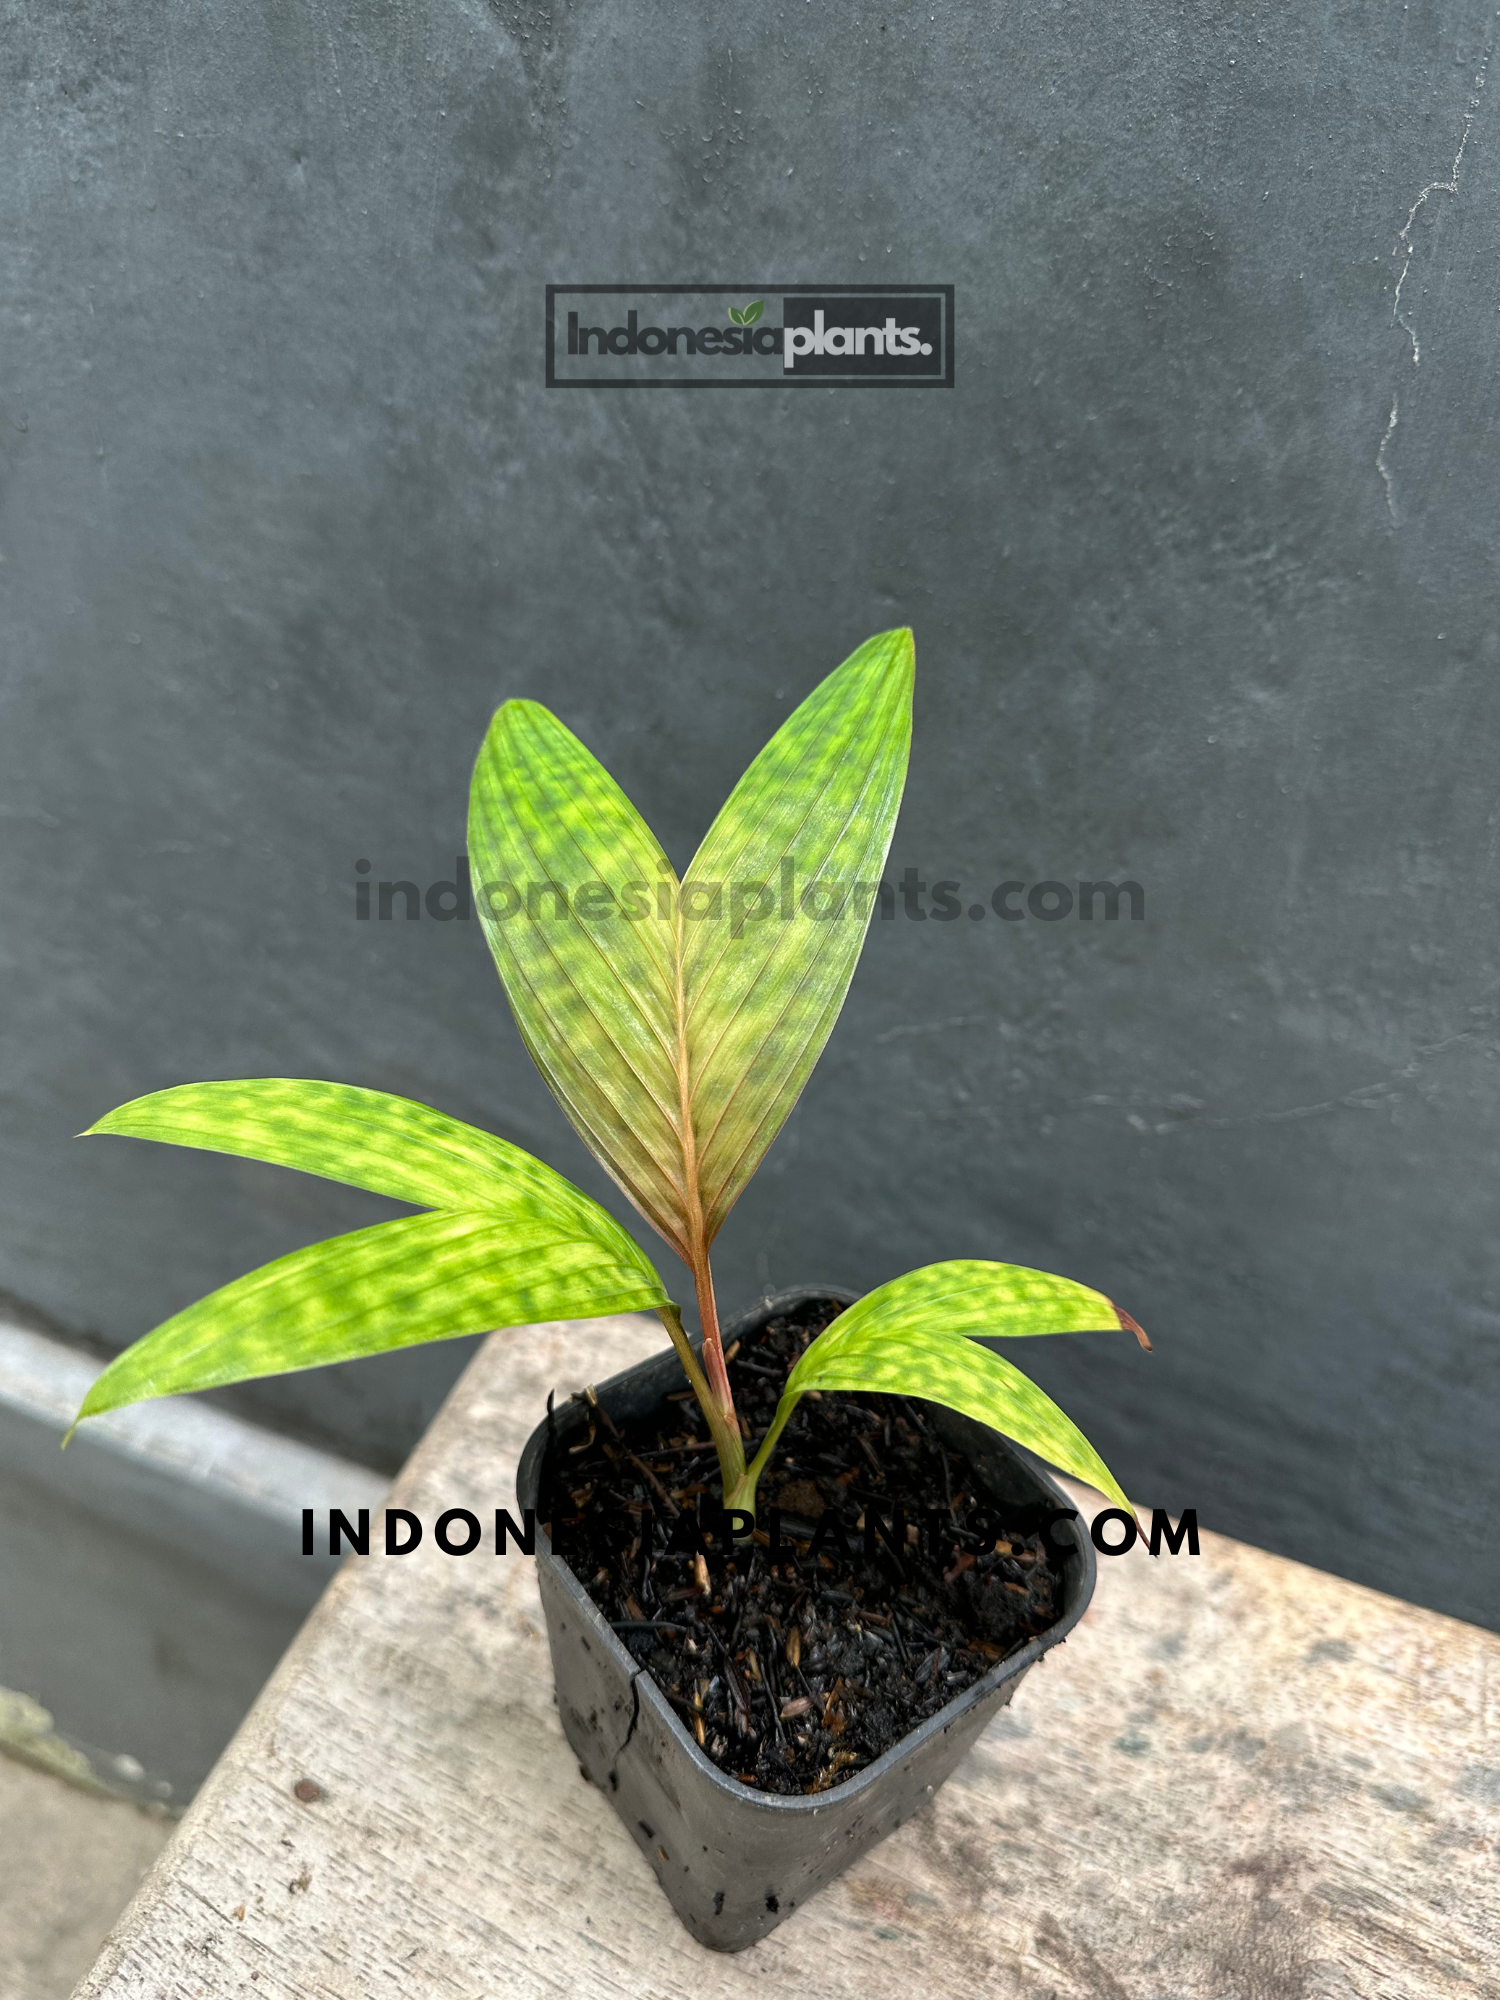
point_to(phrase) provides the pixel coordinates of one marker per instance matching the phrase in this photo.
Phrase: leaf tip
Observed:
(1128, 1325)
(95, 1403)
(903, 654)
(519, 710)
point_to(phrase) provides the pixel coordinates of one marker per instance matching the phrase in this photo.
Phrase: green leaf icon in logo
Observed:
(749, 314)
(736, 315)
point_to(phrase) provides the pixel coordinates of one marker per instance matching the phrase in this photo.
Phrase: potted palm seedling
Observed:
(794, 1564)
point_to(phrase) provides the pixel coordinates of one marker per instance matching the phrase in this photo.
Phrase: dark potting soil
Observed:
(795, 1667)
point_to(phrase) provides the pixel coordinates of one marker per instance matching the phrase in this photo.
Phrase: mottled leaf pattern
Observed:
(595, 998)
(915, 1337)
(972, 1295)
(390, 1145)
(965, 1377)
(809, 824)
(426, 1277)
(677, 1029)
(512, 1241)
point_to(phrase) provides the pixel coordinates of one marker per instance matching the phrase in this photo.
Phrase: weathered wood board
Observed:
(1239, 1780)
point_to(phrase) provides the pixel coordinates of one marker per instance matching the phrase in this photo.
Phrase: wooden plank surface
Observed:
(1240, 1779)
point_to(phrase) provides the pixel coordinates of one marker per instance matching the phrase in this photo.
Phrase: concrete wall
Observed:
(1200, 553)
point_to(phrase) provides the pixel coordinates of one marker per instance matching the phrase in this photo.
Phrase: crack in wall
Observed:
(1403, 242)
(1380, 465)
(1366, 1097)
(1404, 247)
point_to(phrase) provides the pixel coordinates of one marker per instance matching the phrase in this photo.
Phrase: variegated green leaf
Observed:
(677, 1029)
(973, 1296)
(425, 1277)
(904, 1361)
(552, 839)
(796, 854)
(919, 1335)
(390, 1145)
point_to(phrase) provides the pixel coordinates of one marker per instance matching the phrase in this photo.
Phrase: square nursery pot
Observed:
(735, 1862)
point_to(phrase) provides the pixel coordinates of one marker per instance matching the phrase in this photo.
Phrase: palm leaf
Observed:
(970, 1296)
(390, 1145)
(425, 1277)
(595, 998)
(676, 1028)
(811, 820)
(919, 1334)
(512, 1241)
(963, 1376)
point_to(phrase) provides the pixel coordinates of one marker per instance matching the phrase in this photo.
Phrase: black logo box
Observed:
(927, 307)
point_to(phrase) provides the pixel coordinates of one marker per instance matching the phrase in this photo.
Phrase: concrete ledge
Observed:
(150, 1576)
(1240, 1780)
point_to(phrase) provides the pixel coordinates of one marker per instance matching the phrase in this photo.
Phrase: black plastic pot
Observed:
(735, 1862)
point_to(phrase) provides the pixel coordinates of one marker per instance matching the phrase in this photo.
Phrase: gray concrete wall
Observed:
(1200, 553)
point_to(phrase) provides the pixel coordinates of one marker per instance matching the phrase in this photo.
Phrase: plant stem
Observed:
(718, 1402)
(722, 1427)
(743, 1492)
(714, 1363)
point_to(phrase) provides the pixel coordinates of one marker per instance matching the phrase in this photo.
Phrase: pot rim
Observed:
(851, 1790)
